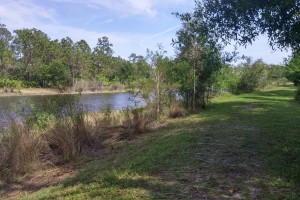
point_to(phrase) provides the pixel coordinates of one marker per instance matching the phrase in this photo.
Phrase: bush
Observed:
(254, 77)
(176, 111)
(297, 96)
(138, 120)
(225, 80)
(7, 83)
(19, 151)
(293, 70)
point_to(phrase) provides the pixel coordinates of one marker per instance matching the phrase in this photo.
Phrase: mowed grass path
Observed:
(241, 147)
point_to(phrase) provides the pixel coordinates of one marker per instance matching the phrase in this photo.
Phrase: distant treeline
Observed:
(30, 56)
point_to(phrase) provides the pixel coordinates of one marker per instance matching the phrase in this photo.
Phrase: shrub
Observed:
(253, 77)
(19, 151)
(225, 80)
(297, 96)
(138, 120)
(7, 83)
(61, 140)
(293, 70)
(176, 111)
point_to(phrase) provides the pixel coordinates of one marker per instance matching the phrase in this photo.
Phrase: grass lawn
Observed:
(241, 147)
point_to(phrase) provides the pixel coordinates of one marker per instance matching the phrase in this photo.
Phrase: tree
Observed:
(201, 51)
(160, 87)
(55, 75)
(83, 58)
(293, 70)
(6, 51)
(69, 57)
(102, 56)
(30, 47)
(140, 66)
(244, 20)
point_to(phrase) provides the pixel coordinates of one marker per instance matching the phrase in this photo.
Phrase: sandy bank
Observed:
(49, 91)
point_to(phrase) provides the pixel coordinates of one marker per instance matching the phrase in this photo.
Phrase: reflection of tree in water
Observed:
(40, 111)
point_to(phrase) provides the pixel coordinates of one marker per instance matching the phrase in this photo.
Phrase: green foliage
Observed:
(277, 75)
(297, 95)
(55, 75)
(40, 114)
(293, 70)
(29, 55)
(226, 80)
(32, 114)
(201, 51)
(244, 20)
(6, 51)
(253, 76)
(161, 89)
(10, 83)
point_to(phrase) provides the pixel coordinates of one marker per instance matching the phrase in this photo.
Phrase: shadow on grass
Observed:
(221, 151)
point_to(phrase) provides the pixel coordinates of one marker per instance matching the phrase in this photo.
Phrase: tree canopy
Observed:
(244, 20)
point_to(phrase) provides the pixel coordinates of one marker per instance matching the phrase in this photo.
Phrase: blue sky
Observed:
(132, 26)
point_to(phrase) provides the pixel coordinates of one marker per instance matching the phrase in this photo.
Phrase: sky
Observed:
(132, 26)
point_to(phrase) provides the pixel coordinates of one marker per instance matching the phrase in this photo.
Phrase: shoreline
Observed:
(49, 91)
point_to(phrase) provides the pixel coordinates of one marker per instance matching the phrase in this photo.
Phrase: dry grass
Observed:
(70, 136)
(19, 151)
(176, 111)
(138, 120)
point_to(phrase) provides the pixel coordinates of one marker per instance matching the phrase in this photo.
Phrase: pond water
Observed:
(90, 103)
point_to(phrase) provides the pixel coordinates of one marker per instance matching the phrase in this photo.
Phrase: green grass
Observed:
(245, 146)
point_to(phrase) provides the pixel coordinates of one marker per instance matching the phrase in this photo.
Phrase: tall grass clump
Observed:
(138, 120)
(20, 148)
(176, 111)
(70, 136)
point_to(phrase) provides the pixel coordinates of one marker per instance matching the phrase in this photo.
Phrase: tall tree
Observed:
(30, 47)
(83, 58)
(140, 65)
(196, 46)
(102, 57)
(6, 51)
(69, 57)
(160, 86)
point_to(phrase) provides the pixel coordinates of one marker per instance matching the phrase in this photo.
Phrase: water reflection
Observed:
(57, 104)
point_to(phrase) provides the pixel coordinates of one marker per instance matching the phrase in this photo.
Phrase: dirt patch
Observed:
(38, 180)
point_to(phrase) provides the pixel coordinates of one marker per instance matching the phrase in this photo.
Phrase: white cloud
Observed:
(29, 15)
(128, 7)
(22, 13)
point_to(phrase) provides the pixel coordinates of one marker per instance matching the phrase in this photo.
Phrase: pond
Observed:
(90, 102)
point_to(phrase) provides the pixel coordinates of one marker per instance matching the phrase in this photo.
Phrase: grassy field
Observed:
(241, 147)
